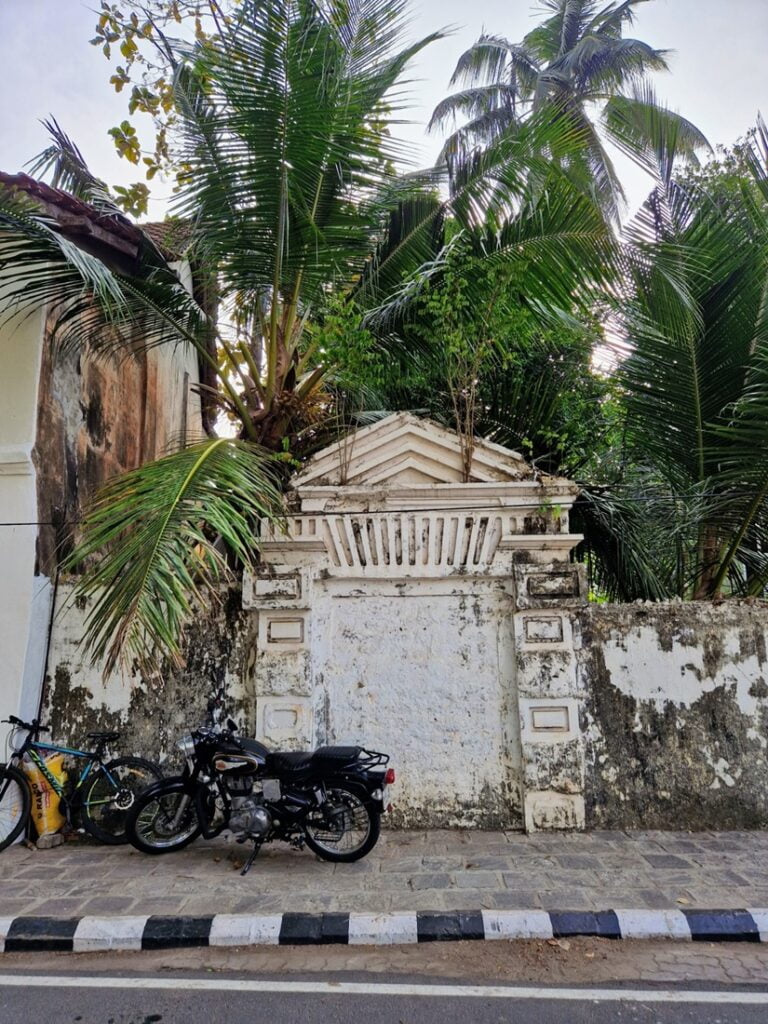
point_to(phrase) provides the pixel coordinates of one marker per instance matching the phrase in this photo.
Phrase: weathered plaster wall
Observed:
(424, 671)
(675, 714)
(69, 421)
(100, 415)
(550, 694)
(151, 714)
(386, 615)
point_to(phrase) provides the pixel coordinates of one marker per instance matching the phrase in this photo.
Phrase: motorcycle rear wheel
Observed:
(344, 829)
(151, 827)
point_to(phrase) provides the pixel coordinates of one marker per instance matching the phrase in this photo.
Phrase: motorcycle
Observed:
(330, 799)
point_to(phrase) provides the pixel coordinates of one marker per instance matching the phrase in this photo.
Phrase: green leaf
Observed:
(154, 541)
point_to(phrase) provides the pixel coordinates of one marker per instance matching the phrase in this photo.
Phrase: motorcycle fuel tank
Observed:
(237, 764)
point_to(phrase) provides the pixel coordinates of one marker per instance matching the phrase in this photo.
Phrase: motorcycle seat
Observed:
(324, 758)
(290, 761)
(336, 756)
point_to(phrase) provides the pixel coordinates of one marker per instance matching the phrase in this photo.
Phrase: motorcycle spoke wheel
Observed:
(156, 826)
(343, 828)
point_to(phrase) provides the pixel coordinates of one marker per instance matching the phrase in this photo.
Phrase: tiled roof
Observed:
(77, 218)
(170, 236)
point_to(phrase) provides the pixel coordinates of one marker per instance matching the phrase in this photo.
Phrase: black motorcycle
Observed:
(330, 799)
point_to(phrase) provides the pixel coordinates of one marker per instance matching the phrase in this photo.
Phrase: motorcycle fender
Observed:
(362, 789)
(171, 784)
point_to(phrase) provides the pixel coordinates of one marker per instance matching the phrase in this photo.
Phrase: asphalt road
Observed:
(206, 999)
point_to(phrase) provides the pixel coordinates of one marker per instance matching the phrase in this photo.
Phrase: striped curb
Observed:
(91, 934)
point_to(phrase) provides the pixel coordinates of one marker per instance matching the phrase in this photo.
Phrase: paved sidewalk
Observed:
(408, 871)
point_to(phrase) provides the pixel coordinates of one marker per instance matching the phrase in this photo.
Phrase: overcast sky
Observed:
(719, 75)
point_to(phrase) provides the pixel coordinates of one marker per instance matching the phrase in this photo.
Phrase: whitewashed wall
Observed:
(428, 620)
(424, 671)
(150, 713)
(24, 600)
(68, 422)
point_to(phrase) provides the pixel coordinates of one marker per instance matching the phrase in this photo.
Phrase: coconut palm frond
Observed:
(287, 132)
(153, 543)
(63, 162)
(654, 137)
(88, 301)
(576, 58)
(517, 207)
(697, 388)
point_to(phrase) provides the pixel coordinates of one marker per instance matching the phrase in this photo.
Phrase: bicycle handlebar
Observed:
(33, 726)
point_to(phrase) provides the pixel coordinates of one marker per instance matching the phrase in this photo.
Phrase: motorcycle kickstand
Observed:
(252, 857)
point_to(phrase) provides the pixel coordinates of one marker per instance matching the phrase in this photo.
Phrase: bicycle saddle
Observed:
(107, 737)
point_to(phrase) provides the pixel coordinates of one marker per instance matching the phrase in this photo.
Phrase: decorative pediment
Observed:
(390, 501)
(403, 450)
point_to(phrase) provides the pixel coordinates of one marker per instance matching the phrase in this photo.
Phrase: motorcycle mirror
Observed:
(232, 726)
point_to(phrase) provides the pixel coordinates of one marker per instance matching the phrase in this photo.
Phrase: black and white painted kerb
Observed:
(89, 934)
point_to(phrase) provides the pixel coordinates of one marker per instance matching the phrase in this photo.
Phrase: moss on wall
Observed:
(676, 715)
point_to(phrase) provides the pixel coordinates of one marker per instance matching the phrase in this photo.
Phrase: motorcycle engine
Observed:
(249, 816)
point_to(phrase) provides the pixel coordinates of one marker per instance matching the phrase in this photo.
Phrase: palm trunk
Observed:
(708, 560)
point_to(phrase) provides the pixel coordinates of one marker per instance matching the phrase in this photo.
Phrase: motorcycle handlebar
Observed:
(217, 732)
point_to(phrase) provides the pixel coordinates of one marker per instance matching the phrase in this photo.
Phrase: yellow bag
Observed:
(46, 812)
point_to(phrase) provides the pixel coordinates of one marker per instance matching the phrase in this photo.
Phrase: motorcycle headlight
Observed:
(186, 745)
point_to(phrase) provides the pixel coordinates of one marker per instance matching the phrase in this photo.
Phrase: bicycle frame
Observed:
(93, 758)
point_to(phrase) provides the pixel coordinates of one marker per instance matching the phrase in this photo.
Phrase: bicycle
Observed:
(103, 793)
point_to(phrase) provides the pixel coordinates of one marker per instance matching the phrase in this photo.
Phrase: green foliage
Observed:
(289, 184)
(126, 142)
(695, 386)
(574, 63)
(339, 341)
(139, 33)
(479, 360)
(474, 291)
(157, 537)
(133, 199)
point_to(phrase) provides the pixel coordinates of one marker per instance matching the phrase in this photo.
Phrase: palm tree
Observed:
(577, 62)
(695, 377)
(297, 212)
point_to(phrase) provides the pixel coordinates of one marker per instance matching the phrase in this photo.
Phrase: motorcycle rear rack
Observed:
(371, 759)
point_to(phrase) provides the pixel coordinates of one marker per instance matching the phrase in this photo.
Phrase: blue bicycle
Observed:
(100, 797)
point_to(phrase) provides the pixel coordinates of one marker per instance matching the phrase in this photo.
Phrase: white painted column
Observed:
(550, 696)
(23, 599)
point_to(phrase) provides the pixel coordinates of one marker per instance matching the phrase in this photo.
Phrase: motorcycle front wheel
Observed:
(163, 822)
(343, 829)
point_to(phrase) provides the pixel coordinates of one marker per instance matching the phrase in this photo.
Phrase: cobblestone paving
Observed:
(407, 871)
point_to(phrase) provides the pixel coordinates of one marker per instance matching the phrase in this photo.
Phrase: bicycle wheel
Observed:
(112, 794)
(15, 804)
